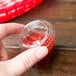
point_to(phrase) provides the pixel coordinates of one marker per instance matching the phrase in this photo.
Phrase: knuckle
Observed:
(28, 61)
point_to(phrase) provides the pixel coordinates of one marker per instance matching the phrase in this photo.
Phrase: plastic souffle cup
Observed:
(38, 33)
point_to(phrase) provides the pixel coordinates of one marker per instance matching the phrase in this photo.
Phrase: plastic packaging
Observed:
(38, 33)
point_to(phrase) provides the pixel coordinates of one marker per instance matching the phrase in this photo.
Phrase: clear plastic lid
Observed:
(35, 33)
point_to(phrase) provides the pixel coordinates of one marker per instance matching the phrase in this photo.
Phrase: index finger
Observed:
(10, 28)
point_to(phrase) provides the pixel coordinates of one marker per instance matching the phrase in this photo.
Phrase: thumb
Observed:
(25, 60)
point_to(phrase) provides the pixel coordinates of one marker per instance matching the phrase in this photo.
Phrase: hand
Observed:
(22, 62)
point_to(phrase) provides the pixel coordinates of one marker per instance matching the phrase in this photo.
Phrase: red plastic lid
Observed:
(10, 9)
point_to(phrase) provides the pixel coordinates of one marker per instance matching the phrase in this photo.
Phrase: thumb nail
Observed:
(42, 52)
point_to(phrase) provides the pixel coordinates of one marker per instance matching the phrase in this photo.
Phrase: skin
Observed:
(21, 63)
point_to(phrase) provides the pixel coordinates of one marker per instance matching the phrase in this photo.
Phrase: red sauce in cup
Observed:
(49, 43)
(41, 34)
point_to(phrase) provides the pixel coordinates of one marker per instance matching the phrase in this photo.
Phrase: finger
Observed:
(27, 59)
(3, 53)
(9, 28)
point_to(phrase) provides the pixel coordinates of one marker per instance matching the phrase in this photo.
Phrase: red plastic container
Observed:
(38, 33)
(10, 9)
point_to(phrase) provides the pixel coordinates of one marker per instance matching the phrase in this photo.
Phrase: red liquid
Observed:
(49, 43)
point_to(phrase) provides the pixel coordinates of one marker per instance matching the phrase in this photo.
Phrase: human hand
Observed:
(22, 62)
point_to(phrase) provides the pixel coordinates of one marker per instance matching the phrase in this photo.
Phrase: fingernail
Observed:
(42, 52)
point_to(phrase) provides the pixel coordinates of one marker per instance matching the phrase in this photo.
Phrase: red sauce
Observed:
(49, 43)
(32, 38)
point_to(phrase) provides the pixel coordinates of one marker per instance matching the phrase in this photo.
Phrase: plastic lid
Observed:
(35, 33)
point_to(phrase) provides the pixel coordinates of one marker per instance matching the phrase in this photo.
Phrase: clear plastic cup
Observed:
(38, 33)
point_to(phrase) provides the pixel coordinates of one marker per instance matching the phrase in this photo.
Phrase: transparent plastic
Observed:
(37, 33)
